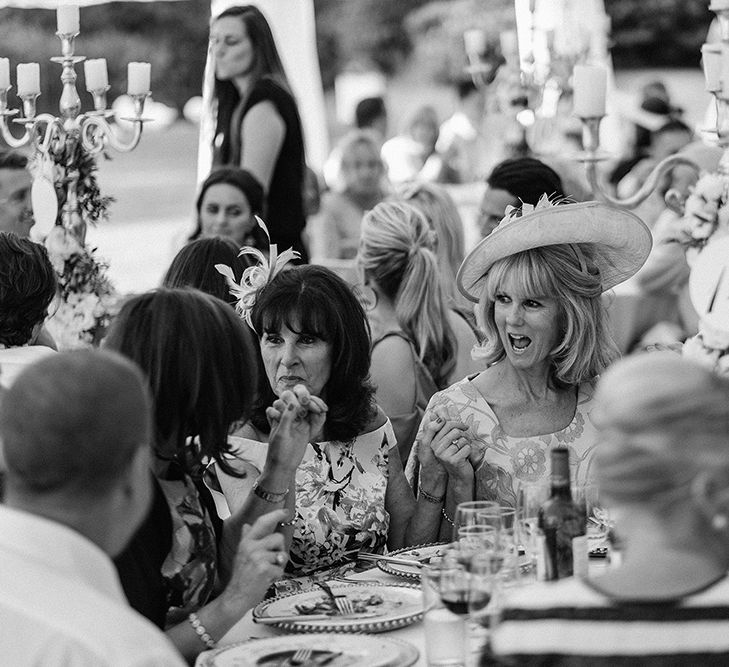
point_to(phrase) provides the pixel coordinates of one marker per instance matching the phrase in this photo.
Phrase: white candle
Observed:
(475, 41)
(67, 17)
(4, 73)
(96, 75)
(508, 41)
(711, 61)
(724, 70)
(590, 85)
(138, 78)
(28, 79)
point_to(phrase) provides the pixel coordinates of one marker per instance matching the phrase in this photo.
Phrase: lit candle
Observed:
(4, 74)
(590, 86)
(475, 41)
(96, 75)
(138, 78)
(67, 17)
(28, 79)
(711, 60)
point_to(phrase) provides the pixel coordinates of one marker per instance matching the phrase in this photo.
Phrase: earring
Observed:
(367, 297)
(719, 522)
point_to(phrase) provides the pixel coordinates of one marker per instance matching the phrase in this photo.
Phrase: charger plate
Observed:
(365, 651)
(423, 553)
(383, 606)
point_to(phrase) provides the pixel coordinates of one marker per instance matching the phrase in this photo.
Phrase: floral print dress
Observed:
(340, 498)
(508, 460)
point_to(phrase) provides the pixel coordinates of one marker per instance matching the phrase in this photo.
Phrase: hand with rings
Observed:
(259, 560)
(296, 418)
(449, 443)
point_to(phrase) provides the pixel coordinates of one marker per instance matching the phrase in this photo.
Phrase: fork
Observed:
(301, 656)
(344, 605)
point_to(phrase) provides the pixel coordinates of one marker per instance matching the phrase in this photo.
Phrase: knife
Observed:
(303, 618)
(393, 559)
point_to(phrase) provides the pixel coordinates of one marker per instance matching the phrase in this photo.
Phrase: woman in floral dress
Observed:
(538, 280)
(349, 493)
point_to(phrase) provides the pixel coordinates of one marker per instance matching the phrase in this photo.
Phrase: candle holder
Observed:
(72, 130)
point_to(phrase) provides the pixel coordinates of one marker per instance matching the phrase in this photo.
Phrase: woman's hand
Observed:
(296, 418)
(448, 444)
(259, 560)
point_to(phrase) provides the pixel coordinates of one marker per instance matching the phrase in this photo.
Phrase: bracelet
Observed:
(291, 522)
(268, 496)
(436, 500)
(446, 517)
(200, 630)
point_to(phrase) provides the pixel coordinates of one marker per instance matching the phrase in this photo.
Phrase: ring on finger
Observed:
(280, 558)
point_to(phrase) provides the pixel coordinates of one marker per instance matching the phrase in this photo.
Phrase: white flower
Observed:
(714, 333)
(695, 350)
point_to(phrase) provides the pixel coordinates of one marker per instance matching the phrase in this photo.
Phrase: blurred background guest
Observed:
(413, 154)
(258, 124)
(194, 266)
(229, 199)
(16, 214)
(371, 114)
(75, 430)
(27, 288)
(335, 231)
(201, 369)
(442, 215)
(413, 345)
(513, 182)
(663, 471)
(538, 279)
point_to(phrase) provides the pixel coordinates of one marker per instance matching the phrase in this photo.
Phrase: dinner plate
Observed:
(423, 553)
(326, 649)
(377, 608)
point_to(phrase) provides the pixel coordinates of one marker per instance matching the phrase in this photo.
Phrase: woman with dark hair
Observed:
(194, 266)
(258, 126)
(201, 367)
(227, 204)
(538, 280)
(27, 287)
(349, 491)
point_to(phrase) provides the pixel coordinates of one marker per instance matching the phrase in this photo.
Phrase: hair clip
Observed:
(256, 277)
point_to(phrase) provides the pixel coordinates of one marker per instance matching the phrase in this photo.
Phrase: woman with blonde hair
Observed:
(442, 215)
(663, 471)
(413, 346)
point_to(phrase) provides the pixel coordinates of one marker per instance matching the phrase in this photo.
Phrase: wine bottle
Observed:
(563, 522)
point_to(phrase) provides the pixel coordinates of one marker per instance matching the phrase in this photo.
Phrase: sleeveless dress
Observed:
(340, 497)
(507, 459)
(425, 387)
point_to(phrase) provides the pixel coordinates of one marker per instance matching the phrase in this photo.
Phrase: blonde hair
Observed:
(569, 275)
(397, 251)
(442, 214)
(663, 419)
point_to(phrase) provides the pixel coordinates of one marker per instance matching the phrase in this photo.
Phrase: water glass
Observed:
(446, 635)
(468, 514)
(530, 496)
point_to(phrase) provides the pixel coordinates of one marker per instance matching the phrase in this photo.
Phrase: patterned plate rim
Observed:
(357, 626)
(411, 653)
(388, 569)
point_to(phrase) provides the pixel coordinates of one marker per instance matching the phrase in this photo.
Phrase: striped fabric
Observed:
(569, 623)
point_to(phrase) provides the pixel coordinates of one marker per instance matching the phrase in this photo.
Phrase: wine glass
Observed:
(467, 514)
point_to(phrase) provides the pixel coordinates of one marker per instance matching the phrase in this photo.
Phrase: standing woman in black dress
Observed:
(257, 121)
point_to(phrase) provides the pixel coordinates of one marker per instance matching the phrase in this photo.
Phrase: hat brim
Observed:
(620, 239)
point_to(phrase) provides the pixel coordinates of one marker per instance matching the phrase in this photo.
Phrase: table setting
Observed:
(427, 605)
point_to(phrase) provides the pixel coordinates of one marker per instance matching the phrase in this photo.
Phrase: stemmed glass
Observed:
(469, 514)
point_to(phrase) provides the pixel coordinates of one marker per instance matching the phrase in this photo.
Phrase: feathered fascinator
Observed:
(255, 277)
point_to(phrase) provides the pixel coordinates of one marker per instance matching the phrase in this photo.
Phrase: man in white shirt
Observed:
(75, 429)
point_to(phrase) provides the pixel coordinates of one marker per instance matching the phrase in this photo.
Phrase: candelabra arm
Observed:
(96, 132)
(8, 138)
(649, 185)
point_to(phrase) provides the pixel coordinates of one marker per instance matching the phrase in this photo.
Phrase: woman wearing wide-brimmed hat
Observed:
(538, 280)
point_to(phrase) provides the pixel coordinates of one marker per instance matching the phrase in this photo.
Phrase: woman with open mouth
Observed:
(538, 281)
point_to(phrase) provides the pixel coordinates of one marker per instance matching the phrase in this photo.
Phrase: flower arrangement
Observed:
(87, 299)
(710, 347)
(706, 211)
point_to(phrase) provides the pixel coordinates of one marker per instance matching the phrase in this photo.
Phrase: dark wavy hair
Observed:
(201, 367)
(27, 286)
(194, 266)
(317, 301)
(266, 63)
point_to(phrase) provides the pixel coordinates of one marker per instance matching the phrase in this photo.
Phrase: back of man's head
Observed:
(526, 178)
(72, 423)
(369, 111)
